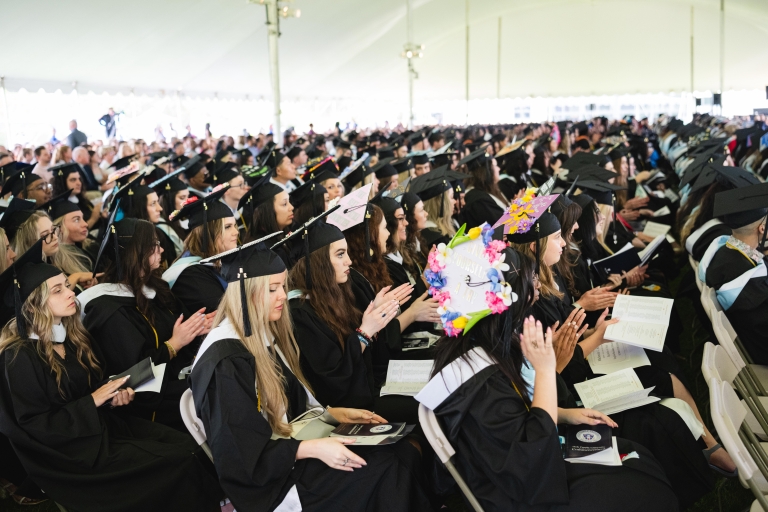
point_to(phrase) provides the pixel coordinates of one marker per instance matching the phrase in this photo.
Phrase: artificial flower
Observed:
(494, 276)
(495, 303)
(460, 322)
(434, 279)
(475, 232)
(506, 295)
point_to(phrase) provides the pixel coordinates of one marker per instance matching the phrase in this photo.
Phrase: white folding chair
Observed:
(755, 375)
(193, 423)
(709, 301)
(747, 453)
(695, 267)
(444, 451)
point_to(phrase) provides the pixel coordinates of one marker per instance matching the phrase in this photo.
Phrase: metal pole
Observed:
(691, 49)
(409, 30)
(498, 64)
(466, 63)
(722, 51)
(273, 32)
(7, 113)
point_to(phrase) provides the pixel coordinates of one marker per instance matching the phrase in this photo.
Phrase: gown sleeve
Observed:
(73, 428)
(253, 468)
(197, 287)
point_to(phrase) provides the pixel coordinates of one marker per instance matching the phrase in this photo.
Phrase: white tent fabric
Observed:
(350, 49)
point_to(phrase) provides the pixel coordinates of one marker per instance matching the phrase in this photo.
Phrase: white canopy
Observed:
(350, 49)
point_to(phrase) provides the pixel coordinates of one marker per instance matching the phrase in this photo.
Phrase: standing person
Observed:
(52, 388)
(108, 122)
(76, 137)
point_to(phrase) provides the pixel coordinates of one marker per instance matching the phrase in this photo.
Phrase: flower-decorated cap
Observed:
(528, 219)
(467, 277)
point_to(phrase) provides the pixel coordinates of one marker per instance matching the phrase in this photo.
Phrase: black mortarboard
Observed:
(477, 158)
(61, 171)
(357, 176)
(742, 206)
(59, 206)
(342, 144)
(326, 167)
(696, 167)
(22, 278)
(168, 183)
(730, 177)
(388, 205)
(583, 200)
(420, 159)
(19, 181)
(589, 172)
(109, 234)
(201, 211)
(128, 192)
(12, 168)
(387, 152)
(222, 174)
(545, 225)
(343, 162)
(179, 160)
(123, 162)
(600, 191)
(384, 169)
(408, 201)
(261, 192)
(403, 164)
(561, 203)
(18, 211)
(307, 191)
(193, 166)
(294, 151)
(250, 260)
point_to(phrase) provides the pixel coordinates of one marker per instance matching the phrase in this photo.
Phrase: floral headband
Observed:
(466, 276)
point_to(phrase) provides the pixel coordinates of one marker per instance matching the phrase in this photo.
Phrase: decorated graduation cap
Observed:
(202, 211)
(324, 170)
(467, 277)
(311, 236)
(18, 211)
(22, 278)
(261, 192)
(528, 219)
(19, 181)
(59, 206)
(742, 206)
(247, 261)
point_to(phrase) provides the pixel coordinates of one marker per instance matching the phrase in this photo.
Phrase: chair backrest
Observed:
(695, 267)
(724, 366)
(726, 341)
(727, 415)
(189, 416)
(434, 434)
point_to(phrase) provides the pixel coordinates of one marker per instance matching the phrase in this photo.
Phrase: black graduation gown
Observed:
(707, 237)
(510, 186)
(96, 459)
(745, 313)
(257, 472)
(433, 236)
(511, 458)
(169, 250)
(199, 286)
(480, 207)
(338, 377)
(126, 337)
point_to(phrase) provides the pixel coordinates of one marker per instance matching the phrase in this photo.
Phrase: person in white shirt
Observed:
(43, 158)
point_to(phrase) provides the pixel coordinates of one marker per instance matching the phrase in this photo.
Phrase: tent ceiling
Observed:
(351, 48)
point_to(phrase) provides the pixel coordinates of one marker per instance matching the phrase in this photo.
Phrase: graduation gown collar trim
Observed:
(59, 334)
(113, 289)
(396, 257)
(174, 271)
(729, 292)
(694, 237)
(225, 330)
(450, 378)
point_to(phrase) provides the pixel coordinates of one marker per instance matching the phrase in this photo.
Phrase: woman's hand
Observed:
(208, 322)
(643, 237)
(186, 331)
(629, 214)
(108, 391)
(645, 212)
(636, 276)
(123, 397)
(376, 318)
(565, 338)
(598, 298)
(332, 451)
(584, 417)
(636, 203)
(642, 176)
(537, 347)
(347, 415)
(424, 309)
(614, 281)
(401, 294)
(84, 279)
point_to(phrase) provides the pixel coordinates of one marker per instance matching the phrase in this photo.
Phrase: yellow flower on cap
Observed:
(475, 232)
(460, 323)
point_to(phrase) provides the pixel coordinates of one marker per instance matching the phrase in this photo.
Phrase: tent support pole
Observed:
(273, 32)
(411, 72)
(722, 52)
(466, 60)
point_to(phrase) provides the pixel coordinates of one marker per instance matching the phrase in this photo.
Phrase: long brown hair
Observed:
(482, 179)
(375, 270)
(569, 216)
(39, 320)
(269, 376)
(334, 303)
(194, 241)
(136, 273)
(546, 277)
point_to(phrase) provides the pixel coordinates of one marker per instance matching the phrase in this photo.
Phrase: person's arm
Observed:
(538, 350)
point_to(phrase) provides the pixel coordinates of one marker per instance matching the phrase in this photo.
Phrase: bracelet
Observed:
(171, 349)
(364, 338)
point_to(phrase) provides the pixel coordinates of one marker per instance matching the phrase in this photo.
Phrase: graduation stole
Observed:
(729, 292)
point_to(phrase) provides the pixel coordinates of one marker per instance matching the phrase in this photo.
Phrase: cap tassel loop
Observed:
(368, 250)
(116, 243)
(308, 274)
(613, 205)
(21, 326)
(244, 303)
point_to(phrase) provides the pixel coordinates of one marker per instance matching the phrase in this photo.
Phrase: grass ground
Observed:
(728, 495)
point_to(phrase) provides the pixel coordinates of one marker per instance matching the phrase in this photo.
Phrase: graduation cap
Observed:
(19, 181)
(128, 192)
(178, 160)
(692, 171)
(357, 175)
(435, 182)
(342, 144)
(12, 168)
(603, 193)
(408, 201)
(384, 168)
(294, 151)
(261, 192)
(307, 191)
(314, 233)
(156, 158)
(222, 174)
(18, 211)
(123, 162)
(59, 206)
(529, 219)
(253, 259)
(731, 177)
(742, 206)
(387, 204)
(22, 278)
(476, 159)
(237, 153)
(202, 211)
(420, 158)
(168, 183)
(109, 234)
(324, 170)
(402, 164)
(588, 172)
(387, 152)
(61, 171)
(192, 166)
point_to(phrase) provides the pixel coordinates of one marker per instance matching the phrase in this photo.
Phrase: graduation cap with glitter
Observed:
(247, 261)
(325, 169)
(22, 278)
(312, 235)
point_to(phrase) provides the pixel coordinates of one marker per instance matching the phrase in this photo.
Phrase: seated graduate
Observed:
(67, 177)
(76, 251)
(248, 385)
(213, 229)
(736, 269)
(56, 409)
(483, 201)
(172, 193)
(501, 417)
(227, 173)
(360, 177)
(416, 216)
(702, 227)
(326, 174)
(308, 200)
(25, 185)
(267, 208)
(386, 174)
(331, 332)
(133, 315)
(514, 163)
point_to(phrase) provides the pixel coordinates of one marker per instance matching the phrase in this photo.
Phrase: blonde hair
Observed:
(546, 276)
(444, 223)
(606, 211)
(27, 235)
(68, 258)
(3, 252)
(270, 380)
(39, 320)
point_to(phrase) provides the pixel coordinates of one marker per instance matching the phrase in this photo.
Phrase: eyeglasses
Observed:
(48, 238)
(41, 188)
(242, 185)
